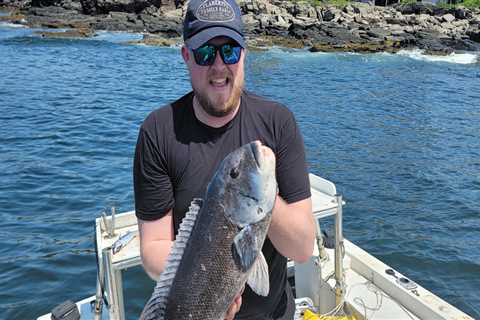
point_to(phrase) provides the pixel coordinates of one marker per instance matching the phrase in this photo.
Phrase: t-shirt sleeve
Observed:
(292, 173)
(152, 185)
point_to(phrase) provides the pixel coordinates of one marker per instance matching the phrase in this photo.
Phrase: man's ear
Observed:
(185, 54)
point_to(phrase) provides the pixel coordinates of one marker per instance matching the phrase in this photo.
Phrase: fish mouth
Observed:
(257, 153)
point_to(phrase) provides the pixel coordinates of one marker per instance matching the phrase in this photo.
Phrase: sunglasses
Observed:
(206, 54)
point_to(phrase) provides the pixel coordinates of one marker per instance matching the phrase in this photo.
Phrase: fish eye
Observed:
(234, 173)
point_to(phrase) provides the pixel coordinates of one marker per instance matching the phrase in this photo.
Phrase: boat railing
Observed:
(110, 229)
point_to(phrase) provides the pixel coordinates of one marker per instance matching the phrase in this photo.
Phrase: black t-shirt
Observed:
(176, 156)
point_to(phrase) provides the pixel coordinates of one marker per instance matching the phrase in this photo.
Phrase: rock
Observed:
(363, 9)
(89, 6)
(460, 44)
(264, 21)
(340, 34)
(439, 11)
(447, 25)
(301, 9)
(262, 42)
(473, 34)
(416, 8)
(280, 22)
(152, 11)
(432, 44)
(330, 14)
(363, 47)
(15, 18)
(129, 6)
(250, 22)
(348, 9)
(461, 23)
(448, 18)
(73, 33)
(395, 29)
(461, 13)
(57, 17)
(359, 20)
(402, 20)
(120, 21)
(379, 33)
(356, 27)
(319, 11)
(45, 3)
(170, 28)
(422, 19)
(155, 40)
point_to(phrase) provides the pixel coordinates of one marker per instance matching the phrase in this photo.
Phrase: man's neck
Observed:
(212, 121)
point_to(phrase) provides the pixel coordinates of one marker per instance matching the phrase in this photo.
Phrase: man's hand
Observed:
(235, 306)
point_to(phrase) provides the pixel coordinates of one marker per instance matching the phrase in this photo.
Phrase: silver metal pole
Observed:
(112, 224)
(111, 285)
(339, 286)
(322, 254)
(98, 306)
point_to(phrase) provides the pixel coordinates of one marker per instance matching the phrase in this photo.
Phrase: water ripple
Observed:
(398, 136)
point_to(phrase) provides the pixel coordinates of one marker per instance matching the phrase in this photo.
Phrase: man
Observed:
(180, 146)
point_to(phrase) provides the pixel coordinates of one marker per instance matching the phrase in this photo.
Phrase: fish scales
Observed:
(223, 250)
(198, 286)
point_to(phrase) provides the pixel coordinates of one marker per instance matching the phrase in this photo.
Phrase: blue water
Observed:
(398, 134)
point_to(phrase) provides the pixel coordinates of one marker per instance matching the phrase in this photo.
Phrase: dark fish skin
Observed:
(209, 275)
(209, 279)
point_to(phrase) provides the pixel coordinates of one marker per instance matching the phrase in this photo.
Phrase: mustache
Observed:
(220, 74)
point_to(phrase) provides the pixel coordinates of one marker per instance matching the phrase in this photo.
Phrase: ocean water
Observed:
(398, 134)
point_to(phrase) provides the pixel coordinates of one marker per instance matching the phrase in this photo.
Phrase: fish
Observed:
(218, 247)
(122, 241)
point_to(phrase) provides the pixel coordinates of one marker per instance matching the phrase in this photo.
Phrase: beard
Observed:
(215, 106)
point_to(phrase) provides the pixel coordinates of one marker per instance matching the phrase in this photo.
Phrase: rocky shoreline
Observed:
(356, 27)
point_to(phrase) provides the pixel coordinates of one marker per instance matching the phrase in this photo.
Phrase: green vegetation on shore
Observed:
(469, 4)
(315, 3)
(442, 3)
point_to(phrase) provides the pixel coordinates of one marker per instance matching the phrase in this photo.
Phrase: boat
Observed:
(339, 281)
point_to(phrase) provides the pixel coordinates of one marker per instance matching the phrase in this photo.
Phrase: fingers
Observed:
(234, 307)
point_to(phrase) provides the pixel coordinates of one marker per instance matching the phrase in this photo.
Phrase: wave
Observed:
(417, 54)
(11, 25)
(459, 58)
(116, 36)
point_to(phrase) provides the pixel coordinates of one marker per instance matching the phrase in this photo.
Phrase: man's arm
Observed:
(292, 230)
(156, 239)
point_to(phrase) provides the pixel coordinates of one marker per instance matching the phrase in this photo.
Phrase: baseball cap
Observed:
(207, 19)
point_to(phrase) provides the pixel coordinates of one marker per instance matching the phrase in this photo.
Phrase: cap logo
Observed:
(215, 11)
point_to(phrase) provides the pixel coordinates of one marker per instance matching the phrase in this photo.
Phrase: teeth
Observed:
(219, 82)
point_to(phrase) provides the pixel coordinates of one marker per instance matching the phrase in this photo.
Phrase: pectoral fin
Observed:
(244, 248)
(258, 279)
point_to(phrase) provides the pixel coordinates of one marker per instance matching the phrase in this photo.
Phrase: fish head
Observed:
(245, 184)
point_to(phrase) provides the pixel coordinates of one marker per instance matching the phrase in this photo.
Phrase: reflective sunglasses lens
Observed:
(205, 55)
(230, 54)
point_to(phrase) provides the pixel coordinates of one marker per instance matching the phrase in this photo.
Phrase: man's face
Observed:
(217, 87)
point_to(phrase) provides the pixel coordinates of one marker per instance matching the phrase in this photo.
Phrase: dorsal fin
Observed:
(155, 307)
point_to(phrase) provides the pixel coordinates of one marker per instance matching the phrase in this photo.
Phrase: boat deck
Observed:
(369, 291)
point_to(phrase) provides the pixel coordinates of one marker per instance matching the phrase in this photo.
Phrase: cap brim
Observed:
(206, 35)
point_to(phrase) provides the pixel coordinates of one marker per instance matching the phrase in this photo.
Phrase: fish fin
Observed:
(259, 279)
(244, 248)
(155, 307)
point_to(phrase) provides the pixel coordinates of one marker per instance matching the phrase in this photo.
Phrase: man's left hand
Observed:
(234, 307)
